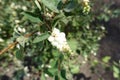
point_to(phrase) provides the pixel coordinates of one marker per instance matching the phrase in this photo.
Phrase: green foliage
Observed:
(31, 17)
(41, 37)
(52, 5)
(43, 77)
(116, 70)
(19, 55)
(106, 59)
(30, 24)
(22, 40)
(73, 43)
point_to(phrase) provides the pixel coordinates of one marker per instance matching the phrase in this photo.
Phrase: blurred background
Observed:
(103, 64)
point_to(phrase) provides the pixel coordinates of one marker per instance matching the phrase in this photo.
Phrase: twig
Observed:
(12, 45)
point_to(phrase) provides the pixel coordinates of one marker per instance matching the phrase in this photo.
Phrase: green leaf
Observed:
(42, 76)
(42, 37)
(74, 22)
(19, 55)
(64, 20)
(116, 72)
(55, 53)
(116, 69)
(74, 69)
(59, 16)
(115, 75)
(22, 40)
(53, 71)
(73, 44)
(70, 7)
(53, 63)
(95, 62)
(37, 4)
(51, 4)
(31, 17)
(63, 75)
(106, 59)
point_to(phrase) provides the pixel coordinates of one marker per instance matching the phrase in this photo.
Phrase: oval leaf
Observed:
(51, 4)
(41, 37)
(31, 17)
(19, 55)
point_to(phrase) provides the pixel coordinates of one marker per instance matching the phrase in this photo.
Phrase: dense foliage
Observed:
(44, 38)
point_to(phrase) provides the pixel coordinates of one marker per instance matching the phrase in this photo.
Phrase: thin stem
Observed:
(12, 45)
